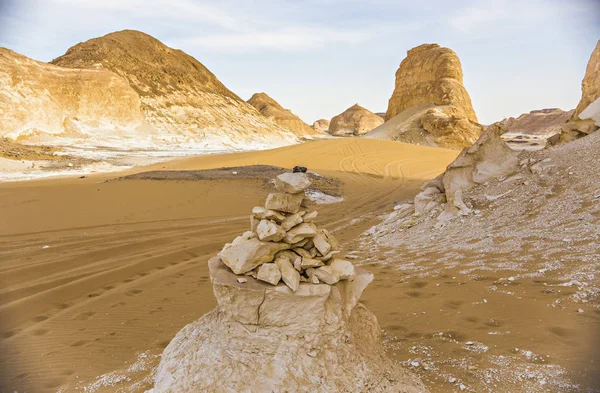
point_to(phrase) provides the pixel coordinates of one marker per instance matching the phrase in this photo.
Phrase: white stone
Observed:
(248, 254)
(310, 217)
(289, 275)
(344, 270)
(321, 244)
(242, 280)
(288, 203)
(308, 262)
(291, 221)
(300, 232)
(292, 182)
(326, 275)
(330, 254)
(269, 272)
(302, 252)
(269, 231)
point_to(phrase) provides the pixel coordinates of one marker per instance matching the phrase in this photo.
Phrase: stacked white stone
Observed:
(284, 244)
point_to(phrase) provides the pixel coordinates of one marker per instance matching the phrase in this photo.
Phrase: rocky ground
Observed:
(523, 262)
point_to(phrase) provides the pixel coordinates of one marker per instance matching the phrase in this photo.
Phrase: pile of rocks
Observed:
(284, 244)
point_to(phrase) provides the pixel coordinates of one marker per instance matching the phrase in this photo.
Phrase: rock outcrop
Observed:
(586, 118)
(430, 105)
(127, 90)
(355, 120)
(271, 109)
(287, 320)
(40, 102)
(536, 129)
(321, 125)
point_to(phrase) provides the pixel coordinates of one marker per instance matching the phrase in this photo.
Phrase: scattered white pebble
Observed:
(234, 173)
(511, 279)
(46, 247)
(579, 310)
(242, 280)
(462, 387)
(469, 343)
(451, 379)
(414, 363)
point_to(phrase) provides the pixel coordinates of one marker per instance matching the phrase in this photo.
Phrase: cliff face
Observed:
(271, 109)
(430, 101)
(40, 102)
(355, 120)
(586, 118)
(130, 80)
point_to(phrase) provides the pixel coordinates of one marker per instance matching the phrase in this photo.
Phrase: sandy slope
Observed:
(98, 276)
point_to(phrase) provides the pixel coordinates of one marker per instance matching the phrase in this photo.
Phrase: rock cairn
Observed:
(284, 244)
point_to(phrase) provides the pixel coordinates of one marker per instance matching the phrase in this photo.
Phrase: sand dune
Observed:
(97, 276)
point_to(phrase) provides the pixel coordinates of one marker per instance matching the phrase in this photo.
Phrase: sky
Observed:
(319, 57)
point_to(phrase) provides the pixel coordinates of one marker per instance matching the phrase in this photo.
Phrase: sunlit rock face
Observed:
(430, 105)
(40, 102)
(355, 120)
(586, 118)
(127, 89)
(271, 109)
(265, 338)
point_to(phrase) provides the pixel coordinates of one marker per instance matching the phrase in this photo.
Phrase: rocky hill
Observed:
(534, 130)
(321, 125)
(355, 120)
(271, 109)
(430, 101)
(586, 118)
(41, 103)
(127, 89)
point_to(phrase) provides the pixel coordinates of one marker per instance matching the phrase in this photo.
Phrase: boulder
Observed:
(248, 254)
(321, 125)
(269, 272)
(427, 199)
(289, 274)
(300, 232)
(310, 217)
(289, 203)
(429, 105)
(586, 118)
(261, 213)
(269, 231)
(292, 183)
(355, 120)
(317, 339)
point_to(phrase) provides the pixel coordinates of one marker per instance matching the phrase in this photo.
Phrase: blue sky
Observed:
(320, 57)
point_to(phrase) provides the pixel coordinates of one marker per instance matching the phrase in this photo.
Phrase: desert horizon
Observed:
(424, 218)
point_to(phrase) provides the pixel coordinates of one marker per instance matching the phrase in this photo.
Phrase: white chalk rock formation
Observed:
(264, 338)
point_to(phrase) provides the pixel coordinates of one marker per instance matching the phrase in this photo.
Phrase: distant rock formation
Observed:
(536, 129)
(355, 120)
(271, 109)
(287, 317)
(321, 125)
(430, 105)
(586, 118)
(127, 89)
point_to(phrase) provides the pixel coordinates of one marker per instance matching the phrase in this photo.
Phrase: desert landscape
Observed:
(162, 234)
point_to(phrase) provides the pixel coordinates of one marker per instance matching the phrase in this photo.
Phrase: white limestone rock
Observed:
(291, 221)
(344, 270)
(269, 272)
(289, 274)
(248, 254)
(327, 275)
(310, 217)
(300, 232)
(269, 231)
(321, 244)
(309, 262)
(288, 203)
(266, 214)
(292, 183)
(317, 339)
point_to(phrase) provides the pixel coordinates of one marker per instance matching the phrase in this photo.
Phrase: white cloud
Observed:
(283, 39)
